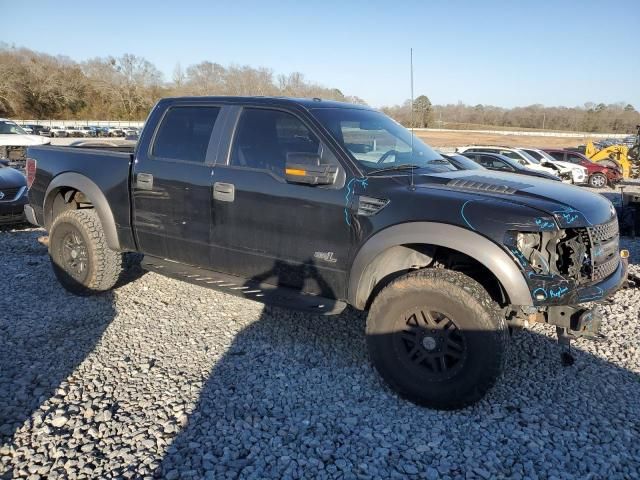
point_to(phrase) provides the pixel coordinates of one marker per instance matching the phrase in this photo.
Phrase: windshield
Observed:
(8, 128)
(377, 142)
(529, 157)
(546, 156)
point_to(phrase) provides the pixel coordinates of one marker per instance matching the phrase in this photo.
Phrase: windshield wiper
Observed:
(404, 166)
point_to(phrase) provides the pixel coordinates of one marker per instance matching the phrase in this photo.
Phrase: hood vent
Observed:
(368, 206)
(479, 184)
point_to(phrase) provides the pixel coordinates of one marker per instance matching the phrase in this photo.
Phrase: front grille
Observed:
(605, 269)
(604, 232)
(9, 194)
(604, 238)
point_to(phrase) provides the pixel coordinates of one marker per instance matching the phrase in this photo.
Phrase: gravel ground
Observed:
(165, 379)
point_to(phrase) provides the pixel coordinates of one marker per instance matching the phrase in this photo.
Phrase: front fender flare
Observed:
(95, 196)
(456, 238)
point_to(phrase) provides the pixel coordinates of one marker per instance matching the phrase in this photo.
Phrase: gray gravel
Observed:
(165, 379)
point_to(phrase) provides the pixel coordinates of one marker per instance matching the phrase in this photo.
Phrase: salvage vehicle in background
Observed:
(598, 174)
(14, 141)
(87, 131)
(35, 129)
(317, 205)
(578, 173)
(502, 163)
(73, 131)
(58, 132)
(13, 195)
(115, 132)
(461, 162)
(517, 154)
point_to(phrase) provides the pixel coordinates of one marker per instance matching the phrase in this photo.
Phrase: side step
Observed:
(240, 287)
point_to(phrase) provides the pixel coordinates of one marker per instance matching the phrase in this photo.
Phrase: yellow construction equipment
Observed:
(617, 153)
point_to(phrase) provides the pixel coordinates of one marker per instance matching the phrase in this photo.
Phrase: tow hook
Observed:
(572, 323)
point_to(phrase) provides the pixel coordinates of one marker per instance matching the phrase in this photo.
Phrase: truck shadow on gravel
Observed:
(296, 397)
(45, 332)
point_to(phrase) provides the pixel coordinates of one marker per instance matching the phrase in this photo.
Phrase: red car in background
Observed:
(600, 175)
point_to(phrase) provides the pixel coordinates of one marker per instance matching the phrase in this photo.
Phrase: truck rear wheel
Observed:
(437, 338)
(80, 257)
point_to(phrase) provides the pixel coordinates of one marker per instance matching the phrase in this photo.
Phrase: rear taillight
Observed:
(31, 171)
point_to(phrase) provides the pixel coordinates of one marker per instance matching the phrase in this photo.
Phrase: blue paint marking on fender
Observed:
(592, 295)
(349, 196)
(539, 290)
(521, 259)
(545, 224)
(558, 292)
(462, 214)
(570, 215)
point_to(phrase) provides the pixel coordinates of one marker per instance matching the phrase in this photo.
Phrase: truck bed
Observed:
(109, 170)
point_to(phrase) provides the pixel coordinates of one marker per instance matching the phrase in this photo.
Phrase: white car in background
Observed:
(13, 135)
(58, 131)
(14, 142)
(517, 154)
(87, 131)
(579, 174)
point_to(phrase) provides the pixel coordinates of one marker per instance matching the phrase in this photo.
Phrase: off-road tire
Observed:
(598, 180)
(475, 316)
(103, 265)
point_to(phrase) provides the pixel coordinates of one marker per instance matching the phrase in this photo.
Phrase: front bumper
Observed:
(13, 211)
(579, 177)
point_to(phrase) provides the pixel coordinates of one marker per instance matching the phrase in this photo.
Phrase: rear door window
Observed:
(184, 133)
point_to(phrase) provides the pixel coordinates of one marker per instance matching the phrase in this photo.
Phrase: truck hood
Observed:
(11, 178)
(13, 140)
(572, 206)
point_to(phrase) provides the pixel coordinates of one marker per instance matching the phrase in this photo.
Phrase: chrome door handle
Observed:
(225, 192)
(144, 181)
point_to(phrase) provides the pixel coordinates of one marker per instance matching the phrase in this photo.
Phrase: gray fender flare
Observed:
(465, 241)
(95, 196)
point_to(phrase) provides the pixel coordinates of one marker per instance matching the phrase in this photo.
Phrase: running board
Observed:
(240, 287)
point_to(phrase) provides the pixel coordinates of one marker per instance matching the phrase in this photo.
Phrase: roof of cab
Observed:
(307, 103)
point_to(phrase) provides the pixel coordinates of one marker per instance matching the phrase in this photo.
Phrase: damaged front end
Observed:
(566, 267)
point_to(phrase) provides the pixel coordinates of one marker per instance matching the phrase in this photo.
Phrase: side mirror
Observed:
(306, 168)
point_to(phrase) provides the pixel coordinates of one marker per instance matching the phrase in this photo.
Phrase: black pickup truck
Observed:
(317, 205)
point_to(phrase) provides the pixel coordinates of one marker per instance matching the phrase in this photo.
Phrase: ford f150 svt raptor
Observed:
(318, 205)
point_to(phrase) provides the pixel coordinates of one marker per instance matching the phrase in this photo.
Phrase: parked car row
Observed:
(83, 131)
(563, 164)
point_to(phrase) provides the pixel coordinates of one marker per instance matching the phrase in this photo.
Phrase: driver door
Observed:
(269, 230)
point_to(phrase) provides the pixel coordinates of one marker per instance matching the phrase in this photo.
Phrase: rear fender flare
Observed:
(93, 194)
(430, 233)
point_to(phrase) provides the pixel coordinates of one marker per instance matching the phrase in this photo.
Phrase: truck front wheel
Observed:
(437, 338)
(80, 257)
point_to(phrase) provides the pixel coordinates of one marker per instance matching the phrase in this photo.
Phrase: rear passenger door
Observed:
(172, 184)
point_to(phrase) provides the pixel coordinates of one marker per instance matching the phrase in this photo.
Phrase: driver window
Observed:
(264, 138)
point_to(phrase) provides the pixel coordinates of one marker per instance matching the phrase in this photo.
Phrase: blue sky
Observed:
(503, 53)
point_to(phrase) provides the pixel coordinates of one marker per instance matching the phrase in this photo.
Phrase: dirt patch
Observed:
(461, 138)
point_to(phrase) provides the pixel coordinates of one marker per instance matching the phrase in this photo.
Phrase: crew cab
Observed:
(317, 205)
